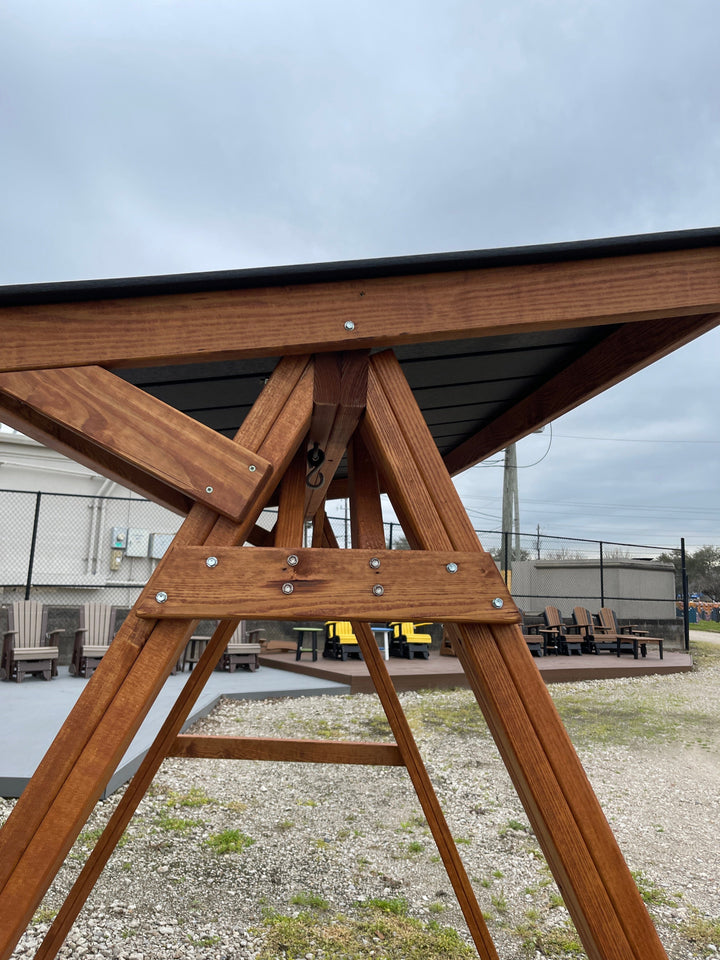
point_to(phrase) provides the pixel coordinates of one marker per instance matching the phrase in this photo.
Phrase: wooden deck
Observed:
(446, 672)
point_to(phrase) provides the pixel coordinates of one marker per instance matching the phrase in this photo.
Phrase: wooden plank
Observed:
(368, 532)
(581, 849)
(366, 519)
(79, 407)
(289, 525)
(49, 815)
(293, 751)
(376, 585)
(350, 406)
(135, 791)
(622, 353)
(362, 313)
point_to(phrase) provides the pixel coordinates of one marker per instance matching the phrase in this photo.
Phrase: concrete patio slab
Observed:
(32, 712)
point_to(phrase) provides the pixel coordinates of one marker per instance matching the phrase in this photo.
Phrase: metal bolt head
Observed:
(287, 588)
(498, 603)
(211, 562)
(349, 325)
(252, 468)
(161, 596)
(374, 563)
(209, 489)
(451, 567)
(378, 590)
(293, 560)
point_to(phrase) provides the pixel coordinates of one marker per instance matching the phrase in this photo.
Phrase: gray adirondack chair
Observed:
(92, 638)
(243, 649)
(28, 647)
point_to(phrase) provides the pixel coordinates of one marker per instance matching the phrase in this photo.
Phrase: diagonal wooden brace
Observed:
(126, 434)
(60, 796)
(582, 852)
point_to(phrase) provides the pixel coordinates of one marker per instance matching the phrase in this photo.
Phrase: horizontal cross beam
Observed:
(359, 313)
(262, 583)
(293, 751)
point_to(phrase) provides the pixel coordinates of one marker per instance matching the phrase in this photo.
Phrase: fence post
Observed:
(391, 536)
(602, 576)
(31, 561)
(506, 543)
(686, 596)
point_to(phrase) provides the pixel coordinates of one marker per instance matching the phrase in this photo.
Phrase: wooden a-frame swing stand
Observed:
(341, 402)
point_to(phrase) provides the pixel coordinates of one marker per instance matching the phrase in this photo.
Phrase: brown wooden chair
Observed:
(92, 638)
(28, 647)
(558, 635)
(595, 637)
(243, 650)
(630, 637)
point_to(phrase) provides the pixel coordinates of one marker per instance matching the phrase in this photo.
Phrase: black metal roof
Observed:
(460, 385)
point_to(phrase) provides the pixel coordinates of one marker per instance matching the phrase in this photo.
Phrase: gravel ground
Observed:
(327, 841)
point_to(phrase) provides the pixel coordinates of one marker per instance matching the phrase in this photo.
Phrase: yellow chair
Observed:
(340, 640)
(406, 642)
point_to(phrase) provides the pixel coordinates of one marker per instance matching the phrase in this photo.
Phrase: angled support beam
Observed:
(135, 791)
(623, 352)
(56, 803)
(578, 843)
(124, 433)
(368, 531)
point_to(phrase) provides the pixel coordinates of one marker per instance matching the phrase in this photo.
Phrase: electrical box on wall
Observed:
(159, 542)
(119, 538)
(138, 542)
(115, 559)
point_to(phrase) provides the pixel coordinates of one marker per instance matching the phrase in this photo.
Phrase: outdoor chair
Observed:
(340, 641)
(595, 637)
(407, 642)
(557, 633)
(535, 640)
(630, 637)
(243, 649)
(28, 647)
(92, 638)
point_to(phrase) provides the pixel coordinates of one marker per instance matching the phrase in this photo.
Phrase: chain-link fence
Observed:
(65, 550)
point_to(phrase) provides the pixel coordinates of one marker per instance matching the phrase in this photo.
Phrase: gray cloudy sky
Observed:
(151, 136)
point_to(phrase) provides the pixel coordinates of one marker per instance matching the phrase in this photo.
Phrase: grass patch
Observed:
(313, 900)
(652, 894)
(376, 932)
(195, 797)
(229, 841)
(44, 915)
(702, 931)
(165, 821)
(707, 626)
(605, 716)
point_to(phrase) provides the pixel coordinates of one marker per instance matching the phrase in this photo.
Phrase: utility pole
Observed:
(511, 507)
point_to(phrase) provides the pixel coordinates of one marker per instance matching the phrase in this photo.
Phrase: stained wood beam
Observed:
(124, 433)
(360, 313)
(347, 388)
(622, 353)
(264, 584)
(293, 751)
(567, 819)
(61, 794)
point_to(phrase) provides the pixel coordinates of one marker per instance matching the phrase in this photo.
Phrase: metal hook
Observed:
(315, 459)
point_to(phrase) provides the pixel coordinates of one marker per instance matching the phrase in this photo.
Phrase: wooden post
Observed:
(581, 850)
